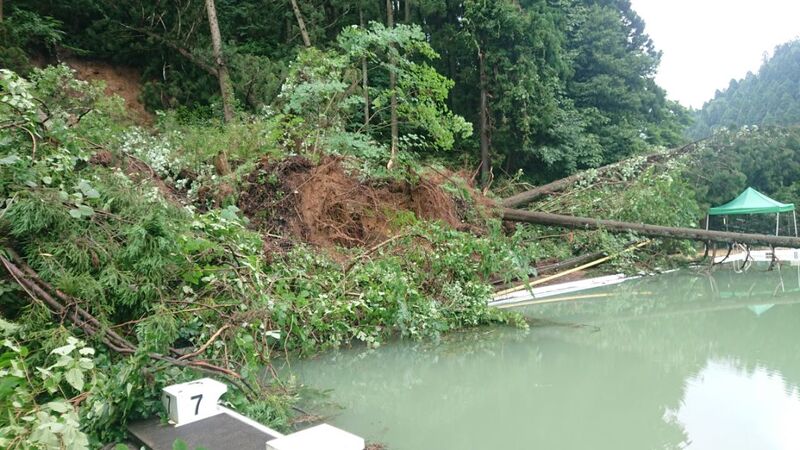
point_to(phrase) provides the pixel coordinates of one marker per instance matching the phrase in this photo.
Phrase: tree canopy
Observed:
(569, 83)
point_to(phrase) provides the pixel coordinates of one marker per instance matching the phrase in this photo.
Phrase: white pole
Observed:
(707, 219)
(794, 219)
(777, 223)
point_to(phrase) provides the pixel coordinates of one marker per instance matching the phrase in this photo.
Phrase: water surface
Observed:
(679, 361)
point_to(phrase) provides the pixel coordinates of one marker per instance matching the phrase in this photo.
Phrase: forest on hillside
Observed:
(770, 97)
(549, 86)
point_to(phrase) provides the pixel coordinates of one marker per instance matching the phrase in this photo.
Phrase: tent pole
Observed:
(777, 223)
(794, 219)
(707, 219)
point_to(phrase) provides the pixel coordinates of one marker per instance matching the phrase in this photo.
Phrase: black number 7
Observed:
(198, 397)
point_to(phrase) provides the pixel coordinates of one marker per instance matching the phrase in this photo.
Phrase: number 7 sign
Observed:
(192, 401)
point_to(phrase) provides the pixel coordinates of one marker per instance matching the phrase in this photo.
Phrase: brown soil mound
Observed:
(119, 80)
(324, 205)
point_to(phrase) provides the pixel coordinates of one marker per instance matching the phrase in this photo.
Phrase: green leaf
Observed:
(64, 350)
(59, 407)
(81, 211)
(179, 444)
(74, 377)
(9, 384)
(9, 160)
(88, 190)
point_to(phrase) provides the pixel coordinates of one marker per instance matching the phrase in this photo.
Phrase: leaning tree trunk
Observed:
(392, 86)
(559, 185)
(1, 11)
(486, 163)
(301, 23)
(407, 5)
(225, 85)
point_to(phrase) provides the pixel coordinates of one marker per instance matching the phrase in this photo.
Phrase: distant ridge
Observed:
(771, 97)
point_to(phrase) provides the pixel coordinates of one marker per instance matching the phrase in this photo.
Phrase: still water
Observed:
(687, 360)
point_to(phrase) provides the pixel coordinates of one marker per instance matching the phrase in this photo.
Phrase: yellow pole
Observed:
(567, 272)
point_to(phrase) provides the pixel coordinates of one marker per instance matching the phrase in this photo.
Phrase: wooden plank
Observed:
(657, 231)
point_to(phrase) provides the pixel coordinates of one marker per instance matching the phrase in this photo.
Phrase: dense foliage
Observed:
(769, 97)
(78, 205)
(569, 82)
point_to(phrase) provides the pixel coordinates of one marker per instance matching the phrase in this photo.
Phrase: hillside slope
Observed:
(770, 97)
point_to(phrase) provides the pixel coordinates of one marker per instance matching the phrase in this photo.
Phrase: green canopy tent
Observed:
(753, 202)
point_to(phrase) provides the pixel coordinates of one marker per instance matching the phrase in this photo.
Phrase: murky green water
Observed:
(678, 361)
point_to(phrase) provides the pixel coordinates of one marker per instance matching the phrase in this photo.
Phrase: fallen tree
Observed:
(526, 197)
(62, 306)
(658, 231)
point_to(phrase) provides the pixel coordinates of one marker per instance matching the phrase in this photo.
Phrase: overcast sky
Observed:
(706, 43)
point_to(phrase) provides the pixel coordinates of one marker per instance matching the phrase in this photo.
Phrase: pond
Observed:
(687, 360)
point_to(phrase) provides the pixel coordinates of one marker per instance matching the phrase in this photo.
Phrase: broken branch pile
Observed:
(66, 307)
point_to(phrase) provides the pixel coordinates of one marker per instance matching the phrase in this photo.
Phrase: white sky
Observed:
(706, 43)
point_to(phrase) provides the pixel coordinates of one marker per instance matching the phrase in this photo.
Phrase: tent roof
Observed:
(751, 202)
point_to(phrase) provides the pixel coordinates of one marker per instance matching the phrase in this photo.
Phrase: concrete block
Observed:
(320, 437)
(192, 401)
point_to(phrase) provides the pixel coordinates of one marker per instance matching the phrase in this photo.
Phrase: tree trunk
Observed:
(1, 11)
(657, 231)
(407, 5)
(364, 78)
(225, 85)
(486, 163)
(301, 23)
(559, 185)
(392, 86)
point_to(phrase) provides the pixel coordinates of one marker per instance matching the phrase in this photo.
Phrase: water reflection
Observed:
(668, 362)
(727, 407)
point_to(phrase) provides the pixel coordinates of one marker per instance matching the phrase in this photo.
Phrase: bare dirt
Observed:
(120, 80)
(324, 205)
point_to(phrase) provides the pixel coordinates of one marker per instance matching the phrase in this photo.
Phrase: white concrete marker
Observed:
(320, 437)
(192, 401)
